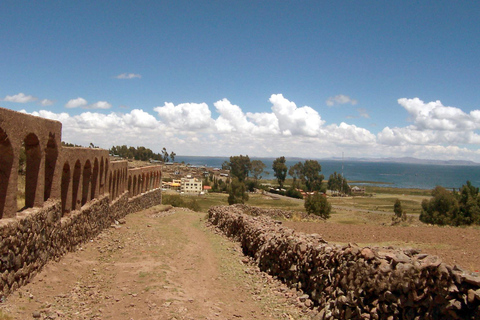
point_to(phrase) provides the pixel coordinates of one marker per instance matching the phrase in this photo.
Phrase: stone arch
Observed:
(106, 172)
(87, 177)
(6, 163)
(119, 182)
(130, 185)
(94, 184)
(65, 184)
(134, 192)
(147, 182)
(143, 183)
(34, 159)
(77, 173)
(101, 184)
(114, 184)
(51, 155)
(110, 185)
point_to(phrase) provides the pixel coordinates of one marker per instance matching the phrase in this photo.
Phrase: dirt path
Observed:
(158, 265)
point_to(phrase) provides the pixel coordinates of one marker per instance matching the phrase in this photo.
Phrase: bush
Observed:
(317, 204)
(294, 193)
(447, 208)
(180, 202)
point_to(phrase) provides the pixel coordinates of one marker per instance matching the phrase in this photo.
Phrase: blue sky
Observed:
(265, 78)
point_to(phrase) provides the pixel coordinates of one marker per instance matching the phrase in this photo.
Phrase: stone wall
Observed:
(350, 282)
(71, 194)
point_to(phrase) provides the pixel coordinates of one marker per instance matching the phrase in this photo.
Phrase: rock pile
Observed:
(274, 212)
(346, 282)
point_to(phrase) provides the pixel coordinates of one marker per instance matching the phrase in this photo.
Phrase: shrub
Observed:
(180, 202)
(317, 204)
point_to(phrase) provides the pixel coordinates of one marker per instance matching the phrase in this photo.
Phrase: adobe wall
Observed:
(42, 140)
(71, 194)
(349, 282)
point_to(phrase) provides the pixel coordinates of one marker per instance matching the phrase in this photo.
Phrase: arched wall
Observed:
(74, 176)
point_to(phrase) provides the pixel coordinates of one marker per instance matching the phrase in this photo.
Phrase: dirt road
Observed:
(158, 265)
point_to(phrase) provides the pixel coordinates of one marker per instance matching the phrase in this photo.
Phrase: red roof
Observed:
(207, 187)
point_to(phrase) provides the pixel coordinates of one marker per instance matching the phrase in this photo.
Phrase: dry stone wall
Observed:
(350, 282)
(71, 194)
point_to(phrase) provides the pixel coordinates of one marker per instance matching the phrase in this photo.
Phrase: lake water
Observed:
(398, 175)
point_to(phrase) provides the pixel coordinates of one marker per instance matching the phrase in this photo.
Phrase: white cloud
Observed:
(433, 124)
(340, 99)
(186, 116)
(75, 103)
(128, 76)
(20, 98)
(293, 120)
(435, 116)
(231, 118)
(190, 129)
(47, 102)
(82, 103)
(99, 105)
(141, 119)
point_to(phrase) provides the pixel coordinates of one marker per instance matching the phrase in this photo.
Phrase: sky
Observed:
(311, 79)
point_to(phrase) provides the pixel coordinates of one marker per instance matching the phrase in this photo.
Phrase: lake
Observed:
(398, 175)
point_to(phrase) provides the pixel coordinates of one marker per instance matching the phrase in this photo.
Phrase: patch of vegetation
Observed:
(317, 204)
(181, 201)
(452, 208)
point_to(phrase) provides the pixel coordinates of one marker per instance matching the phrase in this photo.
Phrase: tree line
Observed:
(141, 153)
(452, 208)
(245, 175)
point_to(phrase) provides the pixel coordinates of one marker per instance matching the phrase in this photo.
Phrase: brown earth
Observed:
(158, 265)
(456, 246)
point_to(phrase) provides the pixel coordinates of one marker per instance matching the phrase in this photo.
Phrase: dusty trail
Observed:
(158, 265)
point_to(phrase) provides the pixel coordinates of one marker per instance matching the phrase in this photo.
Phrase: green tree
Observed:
(280, 170)
(311, 175)
(399, 213)
(240, 166)
(237, 192)
(336, 182)
(296, 172)
(442, 209)
(165, 155)
(172, 156)
(257, 169)
(317, 204)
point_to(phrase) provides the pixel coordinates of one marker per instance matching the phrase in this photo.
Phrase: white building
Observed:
(191, 185)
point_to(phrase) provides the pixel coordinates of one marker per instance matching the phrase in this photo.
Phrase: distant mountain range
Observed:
(411, 160)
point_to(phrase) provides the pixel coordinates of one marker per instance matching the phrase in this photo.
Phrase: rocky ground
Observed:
(155, 265)
(167, 264)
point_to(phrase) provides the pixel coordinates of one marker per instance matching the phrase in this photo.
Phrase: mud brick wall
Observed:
(350, 282)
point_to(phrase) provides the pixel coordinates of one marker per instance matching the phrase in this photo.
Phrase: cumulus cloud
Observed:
(190, 128)
(99, 105)
(75, 103)
(293, 120)
(433, 124)
(435, 116)
(128, 76)
(340, 99)
(82, 103)
(186, 116)
(20, 98)
(47, 102)
(231, 118)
